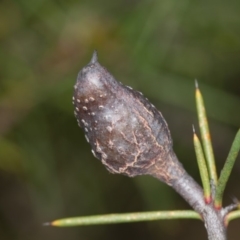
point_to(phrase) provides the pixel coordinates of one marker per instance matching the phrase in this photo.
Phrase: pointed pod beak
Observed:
(94, 57)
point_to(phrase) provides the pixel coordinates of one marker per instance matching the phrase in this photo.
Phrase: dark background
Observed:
(47, 170)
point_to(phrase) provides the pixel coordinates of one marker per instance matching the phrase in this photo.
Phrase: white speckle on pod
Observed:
(86, 100)
(108, 117)
(86, 130)
(101, 107)
(77, 109)
(98, 149)
(120, 150)
(91, 99)
(78, 100)
(110, 144)
(92, 113)
(73, 98)
(84, 108)
(109, 128)
(94, 154)
(87, 138)
(104, 155)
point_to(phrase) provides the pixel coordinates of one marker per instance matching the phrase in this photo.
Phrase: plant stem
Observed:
(213, 218)
(192, 193)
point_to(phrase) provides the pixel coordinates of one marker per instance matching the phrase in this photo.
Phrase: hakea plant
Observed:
(131, 137)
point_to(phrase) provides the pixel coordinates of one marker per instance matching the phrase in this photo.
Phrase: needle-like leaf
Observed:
(123, 218)
(205, 135)
(202, 167)
(226, 171)
(231, 216)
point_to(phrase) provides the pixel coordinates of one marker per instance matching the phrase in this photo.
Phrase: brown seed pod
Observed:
(130, 136)
(126, 132)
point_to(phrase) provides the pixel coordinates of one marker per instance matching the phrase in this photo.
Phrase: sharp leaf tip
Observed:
(193, 128)
(46, 224)
(196, 84)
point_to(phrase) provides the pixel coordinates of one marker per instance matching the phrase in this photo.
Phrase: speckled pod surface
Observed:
(130, 136)
(126, 132)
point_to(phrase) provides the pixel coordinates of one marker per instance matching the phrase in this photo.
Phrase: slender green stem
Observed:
(202, 167)
(226, 171)
(205, 135)
(123, 218)
(231, 216)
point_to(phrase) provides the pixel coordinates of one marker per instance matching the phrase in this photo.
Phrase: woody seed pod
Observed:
(126, 132)
(131, 137)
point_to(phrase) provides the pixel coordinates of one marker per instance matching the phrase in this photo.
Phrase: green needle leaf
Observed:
(227, 168)
(202, 167)
(205, 135)
(123, 218)
(231, 216)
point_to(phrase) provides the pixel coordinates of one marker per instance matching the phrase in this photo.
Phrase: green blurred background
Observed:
(47, 170)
